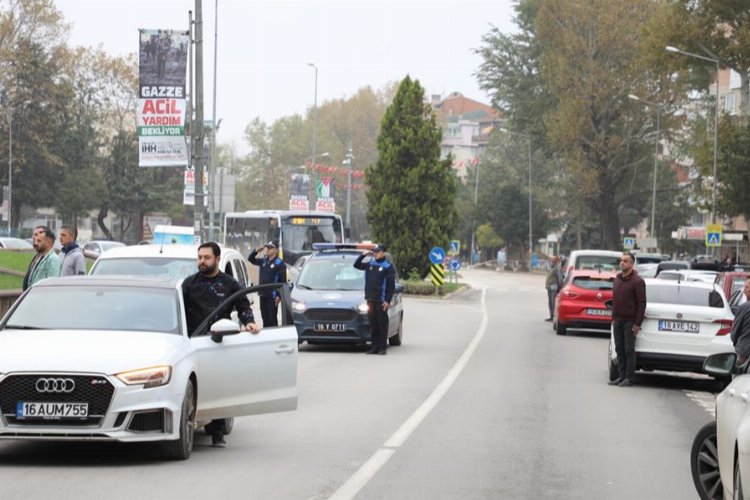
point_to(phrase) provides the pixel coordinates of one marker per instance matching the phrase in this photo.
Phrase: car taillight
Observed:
(726, 326)
(570, 295)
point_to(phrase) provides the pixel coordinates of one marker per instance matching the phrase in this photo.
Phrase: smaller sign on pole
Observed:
(437, 274)
(455, 248)
(628, 243)
(713, 235)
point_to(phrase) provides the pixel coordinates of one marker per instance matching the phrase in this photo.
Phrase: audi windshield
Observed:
(95, 307)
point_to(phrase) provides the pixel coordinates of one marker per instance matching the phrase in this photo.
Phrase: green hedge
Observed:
(426, 288)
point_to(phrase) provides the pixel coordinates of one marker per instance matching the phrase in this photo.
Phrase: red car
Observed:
(731, 282)
(580, 303)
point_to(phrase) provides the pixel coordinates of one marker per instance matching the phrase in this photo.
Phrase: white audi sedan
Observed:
(686, 321)
(109, 358)
(720, 455)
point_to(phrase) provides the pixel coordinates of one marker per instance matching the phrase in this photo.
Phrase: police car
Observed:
(328, 304)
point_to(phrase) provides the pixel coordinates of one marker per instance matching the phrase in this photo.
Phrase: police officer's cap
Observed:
(379, 248)
(271, 244)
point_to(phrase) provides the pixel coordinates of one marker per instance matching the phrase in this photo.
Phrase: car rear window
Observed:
(683, 295)
(598, 262)
(593, 283)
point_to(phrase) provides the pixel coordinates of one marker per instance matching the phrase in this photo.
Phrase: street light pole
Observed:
(315, 131)
(348, 163)
(716, 120)
(10, 167)
(656, 161)
(473, 222)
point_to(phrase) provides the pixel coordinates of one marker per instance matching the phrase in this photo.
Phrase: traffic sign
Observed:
(713, 235)
(437, 255)
(455, 247)
(455, 265)
(437, 274)
(628, 243)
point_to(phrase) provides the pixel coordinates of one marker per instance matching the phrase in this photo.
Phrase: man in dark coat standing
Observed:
(741, 328)
(628, 311)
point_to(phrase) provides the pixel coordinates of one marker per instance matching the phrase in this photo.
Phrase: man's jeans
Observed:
(551, 296)
(625, 348)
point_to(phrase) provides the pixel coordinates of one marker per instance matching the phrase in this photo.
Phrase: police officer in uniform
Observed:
(272, 270)
(380, 282)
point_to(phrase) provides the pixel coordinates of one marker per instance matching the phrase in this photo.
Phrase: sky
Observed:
(264, 47)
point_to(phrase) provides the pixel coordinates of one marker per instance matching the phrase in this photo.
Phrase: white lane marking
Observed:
(367, 471)
(705, 400)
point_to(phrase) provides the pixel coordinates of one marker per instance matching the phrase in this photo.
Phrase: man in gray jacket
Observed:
(741, 328)
(73, 262)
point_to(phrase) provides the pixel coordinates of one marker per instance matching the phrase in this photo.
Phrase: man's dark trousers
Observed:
(551, 296)
(625, 348)
(378, 323)
(268, 311)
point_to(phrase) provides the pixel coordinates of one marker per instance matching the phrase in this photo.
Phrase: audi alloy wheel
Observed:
(180, 448)
(704, 464)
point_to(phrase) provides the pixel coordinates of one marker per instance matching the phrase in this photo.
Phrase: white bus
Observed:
(295, 230)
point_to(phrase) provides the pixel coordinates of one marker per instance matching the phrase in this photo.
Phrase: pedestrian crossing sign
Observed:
(628, 242)
(455, 247)
(713, 235)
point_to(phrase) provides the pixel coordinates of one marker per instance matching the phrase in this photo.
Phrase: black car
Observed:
(328, 304)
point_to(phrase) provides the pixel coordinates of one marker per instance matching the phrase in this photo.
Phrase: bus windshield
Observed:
(295, 231)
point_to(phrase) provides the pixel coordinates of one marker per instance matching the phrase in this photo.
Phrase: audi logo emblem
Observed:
(65, 385)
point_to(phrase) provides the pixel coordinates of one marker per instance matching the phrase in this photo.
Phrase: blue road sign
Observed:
(455, 247)
(455, 265)
(437, 255)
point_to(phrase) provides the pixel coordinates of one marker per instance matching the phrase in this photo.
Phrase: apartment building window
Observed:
(730, 103)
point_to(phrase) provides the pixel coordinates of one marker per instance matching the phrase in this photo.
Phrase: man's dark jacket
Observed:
(741, 331)
(202, 294)
(270, 271)
(380, 278)
(629, 298)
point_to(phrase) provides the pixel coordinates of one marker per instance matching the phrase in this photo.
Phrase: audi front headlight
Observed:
(362, 308)
(298, 306)
(149, 377)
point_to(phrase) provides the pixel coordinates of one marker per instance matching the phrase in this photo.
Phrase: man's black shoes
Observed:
(381, 351)
(217, 441)
(625, 383)
(374, 350)
(548, 319)
(616, 381)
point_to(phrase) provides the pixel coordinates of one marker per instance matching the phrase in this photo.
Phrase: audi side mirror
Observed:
(223, 327)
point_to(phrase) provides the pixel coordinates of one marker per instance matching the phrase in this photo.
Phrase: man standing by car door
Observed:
(272, 270)
(202, 293)
(380, 283)
(628, 310)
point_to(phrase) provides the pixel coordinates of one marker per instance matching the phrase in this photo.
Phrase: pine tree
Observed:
(411, 191)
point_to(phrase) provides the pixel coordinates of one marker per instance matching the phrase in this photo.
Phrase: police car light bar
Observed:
(343, 246)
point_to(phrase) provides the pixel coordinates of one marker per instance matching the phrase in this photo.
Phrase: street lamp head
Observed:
(669, 48)
(311, 64)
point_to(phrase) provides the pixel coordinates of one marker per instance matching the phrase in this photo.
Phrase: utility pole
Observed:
(212, 157)
(198, 122)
